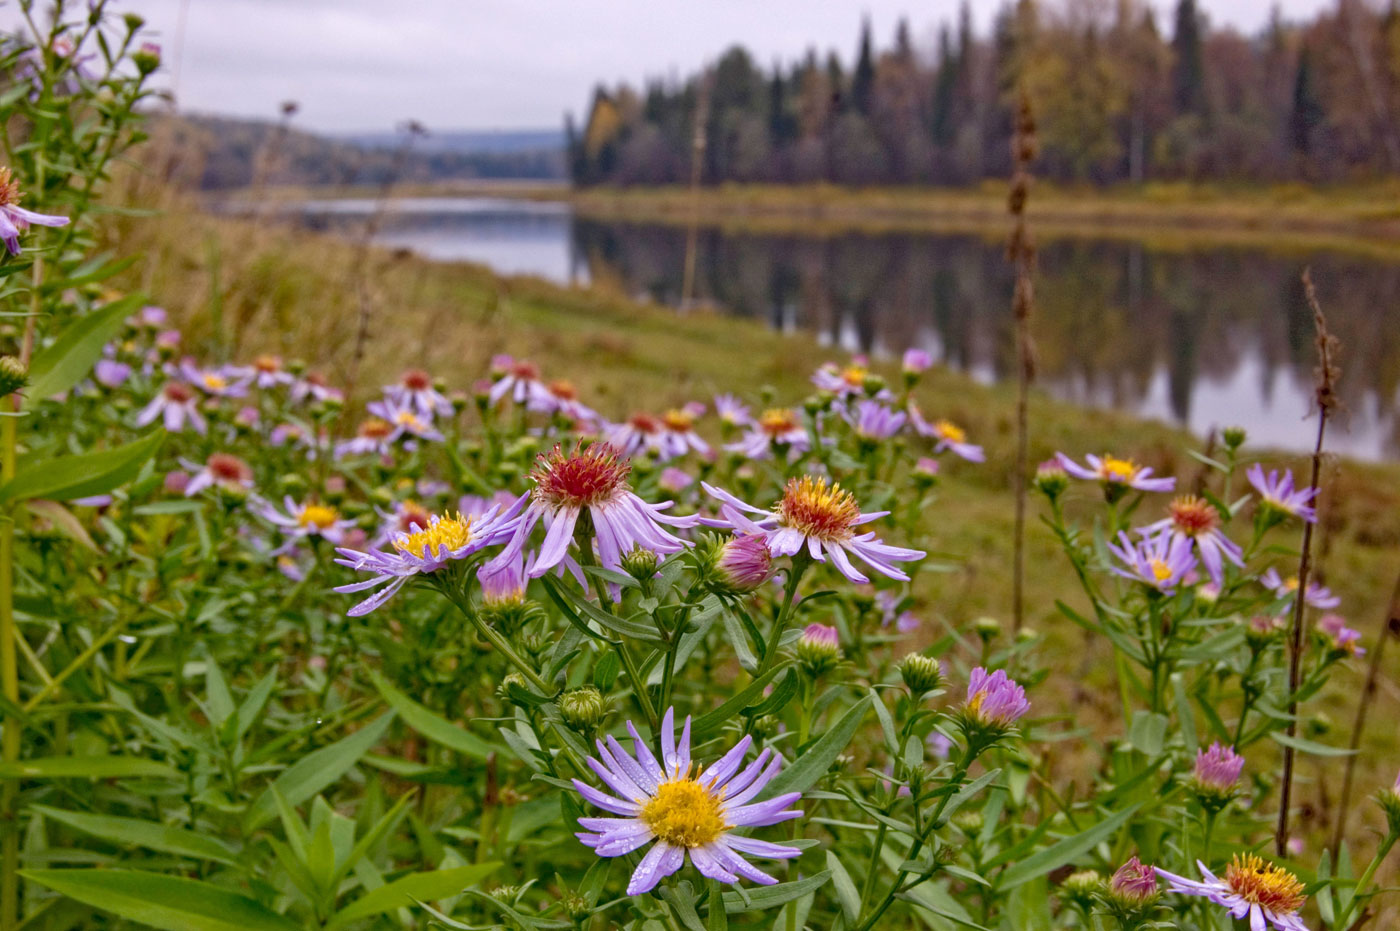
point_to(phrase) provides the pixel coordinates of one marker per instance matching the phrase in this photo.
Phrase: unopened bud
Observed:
(818, 649)
(583, 709)
(640, 563)
(1234, 437)
(14, 375)
(921, 674)
(987, 628)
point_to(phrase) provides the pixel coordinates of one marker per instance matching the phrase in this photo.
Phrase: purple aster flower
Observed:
(519, 380)
(176, 405)
(821, 517)
(904, 621)
(639, 434)
(265, 372)
(994, 700)
(150, 316)
(673, 480)
(303, 521)
(423, 551)
(678, 435)
(916, 361)
(314, 387)
(1340, 637)
(1134, 883)
(215, 382)
(1114, 472)
(14, 219)
(415, 391)
(1159, 562)
(1318, 596)
(1198, 522)
(1278, 495)
(406, 421)
(561, 397)
(109, 373)
(680, 814)
(373, 437)
(842, 381)
(1251, 888)
(1217, 770)
(778, 429)
(221, 470)
(743, 563)
(731, 411)
(874, 421)
(939, 744)
(503, 582)
(592, 479)
(948, 434)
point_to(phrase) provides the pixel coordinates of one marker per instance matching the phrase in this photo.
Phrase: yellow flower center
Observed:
(408, 419)
(1118, 470)
(678, 421)
(1264, 884)
(447, 533)
(1291, 584)
(685, 814)
(778, 421)
(947, 430)
(1160, 570)
(318, 516)
(215, 382)
(826, 512)
(853, 375)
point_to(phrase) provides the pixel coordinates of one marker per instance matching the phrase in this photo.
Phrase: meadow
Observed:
(342, 589)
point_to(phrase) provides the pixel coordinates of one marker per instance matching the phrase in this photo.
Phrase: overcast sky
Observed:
(510, 64)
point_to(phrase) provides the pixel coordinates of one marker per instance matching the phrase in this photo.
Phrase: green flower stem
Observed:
(9, 685)
(1343, 920)
(493, 637)
(800, 562)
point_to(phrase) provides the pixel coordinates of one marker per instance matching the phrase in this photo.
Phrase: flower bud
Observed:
(1051, 479)
(146, 58)
(1080, 888)
(14, 375)
(583, 709)
(922, 674)
(818, 649)
(1132, 890)
(742, 563)
(815, 404)
(873, 384)
(1263, 630)
(1389, 800)
(640, 563)
(987, 628)
(1234, 437)
(1216, 776)
(925, 472)
(969, 822)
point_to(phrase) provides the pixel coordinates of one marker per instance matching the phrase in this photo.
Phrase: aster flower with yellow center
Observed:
(1278, 496)
(777, 429)
(820, 516)
(561, 397)
(15, 219)
(638, 434)
(374, 436)
(1197, 521)
(842, 380)
(302, 521)
(593, 480)
(678, 435)
(682, 810)
(1158, 562)
(1251, 888)
(423, 550)
(948, 436)
(1318, 596)
(1116, 473)
(216, 382)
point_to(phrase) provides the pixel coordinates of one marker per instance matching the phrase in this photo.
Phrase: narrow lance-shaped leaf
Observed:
(78, 476)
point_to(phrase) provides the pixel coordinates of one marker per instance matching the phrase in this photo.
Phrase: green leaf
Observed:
(1148, 731)
(1308, 746)
(315, 771)
(430, 724)
(85, 767)
(846, 892)
(710, 723)
(71, 357)
(168, 902)
(966, 793)
(1058, 854)
(141, 833)
(772, 896)
(81, 475)
(813, 762)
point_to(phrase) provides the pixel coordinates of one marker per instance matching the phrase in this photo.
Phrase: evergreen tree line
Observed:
(1116, 98)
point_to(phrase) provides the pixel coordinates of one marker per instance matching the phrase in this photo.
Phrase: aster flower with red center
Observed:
(874, 421)
(678, 435)
(1197, 520)
(1115, 473)
(638, 434)
(1318, 596)
(1279, 497)
(593, 480)
(1251, 888)
(949, 436)
(778, 429)
(682, 810)
(1159, 562)
(14, 219)
(303, 521)
(313, 386)
(519, 380)
(820, 517)
(407, 516)
(424, 550)
(176, 405)
(374, 436)
(1338, 636)
(561, 397)
(222, 470)
(415, 391)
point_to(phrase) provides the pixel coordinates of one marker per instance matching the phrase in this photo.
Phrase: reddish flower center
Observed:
(412, 516)
(178, 393)
(644, 423)
(525, 371)
(417, 380)
(1264, 884)
(317, 379)
(810, 505)
(1193, 516)
(678, 421)
(582, 478)
(778, 421)
(563, 390)
(227, 468)
(9, 188)
(375, 428)
(267, 364)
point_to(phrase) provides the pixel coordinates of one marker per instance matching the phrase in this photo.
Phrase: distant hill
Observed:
(221, 153)
(469, 142)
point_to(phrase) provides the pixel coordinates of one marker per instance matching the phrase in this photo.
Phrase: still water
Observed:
(1204, 338)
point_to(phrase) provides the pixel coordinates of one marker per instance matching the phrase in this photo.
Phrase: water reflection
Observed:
(1204, 338)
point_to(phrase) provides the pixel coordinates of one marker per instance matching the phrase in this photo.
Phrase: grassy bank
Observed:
(247, 287)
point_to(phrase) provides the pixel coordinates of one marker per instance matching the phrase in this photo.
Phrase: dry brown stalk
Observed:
(1020, 250)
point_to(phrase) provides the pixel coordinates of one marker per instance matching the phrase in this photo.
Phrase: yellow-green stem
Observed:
(9, 685)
